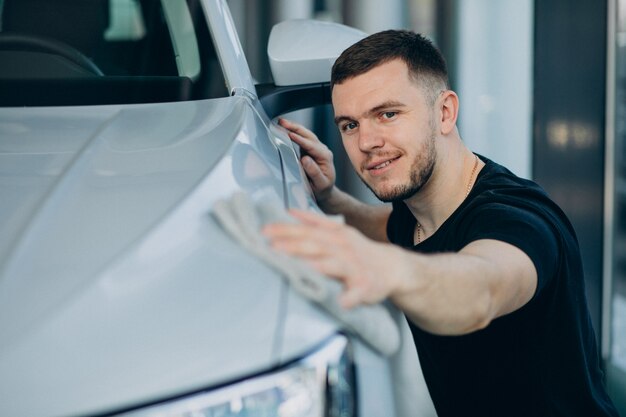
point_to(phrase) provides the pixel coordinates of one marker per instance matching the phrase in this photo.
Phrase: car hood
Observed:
(116, 287)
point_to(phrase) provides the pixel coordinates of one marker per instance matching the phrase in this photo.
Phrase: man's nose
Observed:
(370, 137)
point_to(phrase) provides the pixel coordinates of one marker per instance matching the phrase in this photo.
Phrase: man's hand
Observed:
(317, 160)
(341, 252)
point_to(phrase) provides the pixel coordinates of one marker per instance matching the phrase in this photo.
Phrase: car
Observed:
(122, 122)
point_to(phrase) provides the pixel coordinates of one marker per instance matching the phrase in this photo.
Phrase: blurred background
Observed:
(541, 85)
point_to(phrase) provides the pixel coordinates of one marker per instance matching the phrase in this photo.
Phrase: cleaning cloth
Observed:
(382, 326)
(243, 221)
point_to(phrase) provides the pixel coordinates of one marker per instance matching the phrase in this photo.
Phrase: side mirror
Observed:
(303, 51)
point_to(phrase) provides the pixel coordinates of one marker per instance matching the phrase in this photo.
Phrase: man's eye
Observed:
(389, 114)
(349, 126)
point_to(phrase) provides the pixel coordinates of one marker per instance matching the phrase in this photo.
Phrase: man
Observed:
(486, 268)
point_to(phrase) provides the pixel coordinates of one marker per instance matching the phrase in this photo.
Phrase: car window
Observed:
(125, 21)
(81, 52)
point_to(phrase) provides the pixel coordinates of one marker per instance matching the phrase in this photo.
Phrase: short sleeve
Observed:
(529, 231)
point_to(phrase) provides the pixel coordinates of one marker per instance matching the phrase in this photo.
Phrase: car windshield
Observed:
(88, 52)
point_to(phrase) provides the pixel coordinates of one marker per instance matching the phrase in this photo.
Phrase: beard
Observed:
(420, 172)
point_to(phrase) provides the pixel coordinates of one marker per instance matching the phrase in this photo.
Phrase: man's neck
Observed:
(455, 172)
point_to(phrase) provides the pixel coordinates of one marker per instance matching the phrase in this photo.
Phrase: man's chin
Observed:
(397, 194)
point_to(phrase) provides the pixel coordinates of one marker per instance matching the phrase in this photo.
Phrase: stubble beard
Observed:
(421, 170)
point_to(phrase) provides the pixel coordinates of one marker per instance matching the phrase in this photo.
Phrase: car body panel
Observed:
(89, 324)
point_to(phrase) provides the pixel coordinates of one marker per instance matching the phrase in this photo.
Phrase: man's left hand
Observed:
(340, 252)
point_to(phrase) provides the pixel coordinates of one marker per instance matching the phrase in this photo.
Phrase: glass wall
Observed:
(494, 79)
(615, 229)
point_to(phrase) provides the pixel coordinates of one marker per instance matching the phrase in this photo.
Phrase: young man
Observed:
(484, 265)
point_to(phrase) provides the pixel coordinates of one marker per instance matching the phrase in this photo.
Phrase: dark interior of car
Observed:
(54, 53)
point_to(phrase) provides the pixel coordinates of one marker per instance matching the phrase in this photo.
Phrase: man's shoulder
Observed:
(498, 177)
(498, 185)
(498, 190)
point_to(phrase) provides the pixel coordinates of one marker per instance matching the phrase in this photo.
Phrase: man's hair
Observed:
(426, 65)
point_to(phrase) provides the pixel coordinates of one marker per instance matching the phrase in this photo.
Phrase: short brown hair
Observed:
(425, 62)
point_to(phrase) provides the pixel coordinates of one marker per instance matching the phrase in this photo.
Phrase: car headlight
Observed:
(318, 385)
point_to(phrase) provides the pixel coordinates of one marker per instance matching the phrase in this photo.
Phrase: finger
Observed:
(351, 297)
(303, 137)
(297, 128)
(304, 241)
(299, 133)
(300, 248)
(310, 145)
(315, 222)
(319, 180)
(330, 265)
(286, 235)
(284, 230)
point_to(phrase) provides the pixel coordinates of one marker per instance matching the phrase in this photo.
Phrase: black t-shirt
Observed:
(540, 360)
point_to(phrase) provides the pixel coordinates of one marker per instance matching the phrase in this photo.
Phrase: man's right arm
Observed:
(368, 219)
(317, 162)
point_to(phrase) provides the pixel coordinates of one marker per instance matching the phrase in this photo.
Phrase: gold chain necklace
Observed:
(470, 184)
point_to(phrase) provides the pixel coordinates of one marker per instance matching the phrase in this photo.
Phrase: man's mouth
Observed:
(380, 165)
(384, 164)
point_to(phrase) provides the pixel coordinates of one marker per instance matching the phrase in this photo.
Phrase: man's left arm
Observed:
(447, 293)
(458, 293)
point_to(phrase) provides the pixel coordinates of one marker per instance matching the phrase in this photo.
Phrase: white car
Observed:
(121, 123)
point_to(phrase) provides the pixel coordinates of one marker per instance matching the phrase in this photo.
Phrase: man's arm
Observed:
(448, 294)
(317, 161)
(368, 219)
(458, 293)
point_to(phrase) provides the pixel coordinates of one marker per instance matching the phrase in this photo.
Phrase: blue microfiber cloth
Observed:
(381, 326)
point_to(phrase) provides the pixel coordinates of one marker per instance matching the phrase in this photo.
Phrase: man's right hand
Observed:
(317, 160)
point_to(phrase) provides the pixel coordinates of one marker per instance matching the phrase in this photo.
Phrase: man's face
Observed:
(388, 130)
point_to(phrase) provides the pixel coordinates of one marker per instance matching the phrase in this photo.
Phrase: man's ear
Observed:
(449, 111)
